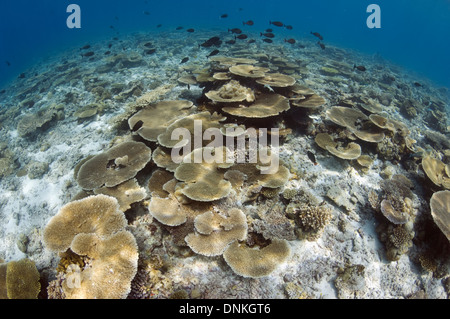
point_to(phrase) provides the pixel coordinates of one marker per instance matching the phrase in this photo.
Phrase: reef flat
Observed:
(357, 209)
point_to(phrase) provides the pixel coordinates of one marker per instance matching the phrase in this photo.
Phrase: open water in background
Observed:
(414, 34)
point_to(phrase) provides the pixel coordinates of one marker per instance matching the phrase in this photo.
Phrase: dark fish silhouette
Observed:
(267, 40)
(86, 47)
(137, 126)
(107, 52)
(215, 52)
(269, 30)
(22, 76)
(230, 42)
(224, 16)
(267, 35)
(312, 157)
(289, 27)
(148, 45)
(159, 26)
(276, 23)
(146, 13)
(317, 35)
(235, 30)
(212, 41)
(8, 63)
(241, 36)
(184, 60)
(251, 41)
(88, 54)
(151, 51)
(190, 30)
(291, 41)
(109, 46)
(179, 28)
(417, 84)
(249, 22)
(359, 67)
(322, 46)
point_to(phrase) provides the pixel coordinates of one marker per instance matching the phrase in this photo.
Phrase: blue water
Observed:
(414, 34)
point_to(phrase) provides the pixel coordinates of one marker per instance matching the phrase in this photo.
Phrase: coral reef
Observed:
(119, 164)
(440, 211)
(253, 262)
(94, 227)
(126, 209)
(19, 280)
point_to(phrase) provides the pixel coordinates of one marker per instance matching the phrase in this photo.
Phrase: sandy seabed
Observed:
(348, 260)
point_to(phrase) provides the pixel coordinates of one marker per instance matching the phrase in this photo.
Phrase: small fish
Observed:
(159, 26)
(146, 13)
(148, 45)
(291, 41)
(86, 47)
(251, 41)
(276, 23)
(137, 126)
(88, 54)
(179, 28)
(215, 52)
(241, 36)
(107, 52)
(359, 67)
(151, 51)
(269, 30)
(230, 42)
(312, 157)
(22, 76)
(267, 40)
(317, 35)
(8, 63)
(184, 60)
(111, 27)
(109, 46)
(267, 86)
(289, 27)
(249, 22)
(223, 16)
(417, 84)
(235, 30)
(190, 30)
(322, 46)
(267, 35)
(212, 41)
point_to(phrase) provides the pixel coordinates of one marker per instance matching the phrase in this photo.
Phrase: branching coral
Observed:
(312, 221)
(397, 203)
